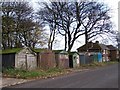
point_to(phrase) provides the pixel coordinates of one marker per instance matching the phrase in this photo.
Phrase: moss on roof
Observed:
(60, 52)
(57, 51)
(8, 51)
(38, 50)
(72, 53)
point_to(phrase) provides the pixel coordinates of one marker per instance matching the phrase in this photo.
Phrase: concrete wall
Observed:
(25, 59)
(77, 60)
(62, 60)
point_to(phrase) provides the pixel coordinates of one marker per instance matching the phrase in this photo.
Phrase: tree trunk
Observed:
(86, 39)
(71, 45)
(51, 39)
(65, 42)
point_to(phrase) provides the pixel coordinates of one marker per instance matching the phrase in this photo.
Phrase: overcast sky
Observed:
(112, 4)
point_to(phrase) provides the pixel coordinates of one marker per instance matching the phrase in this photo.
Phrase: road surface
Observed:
(104, 77)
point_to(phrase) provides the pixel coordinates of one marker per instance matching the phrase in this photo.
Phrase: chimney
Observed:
(97, 42)
(91, 44)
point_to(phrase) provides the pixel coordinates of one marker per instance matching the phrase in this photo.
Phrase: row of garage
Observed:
(29, 59)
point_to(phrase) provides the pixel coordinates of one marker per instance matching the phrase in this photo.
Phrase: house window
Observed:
(117, 52)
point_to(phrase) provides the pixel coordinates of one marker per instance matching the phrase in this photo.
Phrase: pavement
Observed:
(4, 82)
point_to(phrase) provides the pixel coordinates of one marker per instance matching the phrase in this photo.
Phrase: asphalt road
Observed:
(104, 77)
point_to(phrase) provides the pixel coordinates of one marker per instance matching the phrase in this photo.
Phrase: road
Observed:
(104, 77)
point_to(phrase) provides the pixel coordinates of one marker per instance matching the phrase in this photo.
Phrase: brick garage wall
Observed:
(113, 55)
(46, 59)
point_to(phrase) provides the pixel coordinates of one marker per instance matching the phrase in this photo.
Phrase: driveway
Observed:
(104, 77)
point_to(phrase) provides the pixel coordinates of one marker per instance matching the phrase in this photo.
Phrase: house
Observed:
(61, 58)
(45, 58)
(105, 52)
(95, 48)
(74, 60)
(114, 52)
(21, 58)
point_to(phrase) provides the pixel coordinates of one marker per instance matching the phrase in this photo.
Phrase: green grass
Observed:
(97, 64)
(53, 70)
(17, 73)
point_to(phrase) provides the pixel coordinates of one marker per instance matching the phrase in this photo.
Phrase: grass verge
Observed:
(97, 64)
(23, 74)
(17, 73)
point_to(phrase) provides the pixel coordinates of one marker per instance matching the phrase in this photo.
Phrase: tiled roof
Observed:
(93, 46)
(104, 47)
(111, 47)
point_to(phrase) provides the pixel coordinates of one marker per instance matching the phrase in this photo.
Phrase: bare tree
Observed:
(47, 17)
(79, 18)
